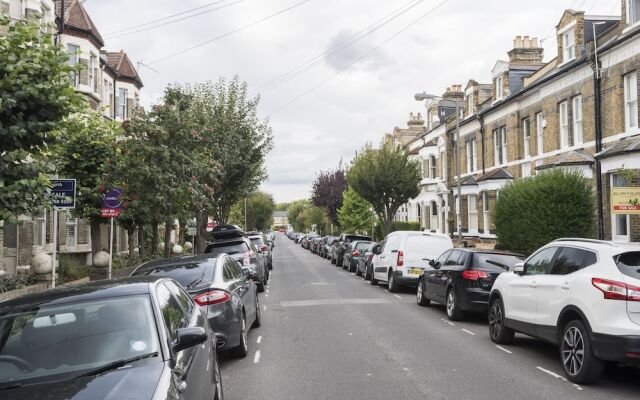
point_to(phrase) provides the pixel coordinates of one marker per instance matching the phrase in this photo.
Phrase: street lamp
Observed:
(426, 96)
(373, 223)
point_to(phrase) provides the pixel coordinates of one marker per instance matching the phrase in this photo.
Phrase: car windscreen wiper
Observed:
(117, 364)
(498, 264)
(10, 385)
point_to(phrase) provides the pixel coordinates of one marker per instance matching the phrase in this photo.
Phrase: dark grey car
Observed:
(263, 245)
(243, 251)
(222, 288)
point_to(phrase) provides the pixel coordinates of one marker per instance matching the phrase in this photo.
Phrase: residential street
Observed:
(327, 334)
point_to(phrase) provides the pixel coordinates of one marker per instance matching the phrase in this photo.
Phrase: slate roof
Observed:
(574, 157)
(281, 214)
(498, 173)
(120, 62)
(623, 146)
(76, 17)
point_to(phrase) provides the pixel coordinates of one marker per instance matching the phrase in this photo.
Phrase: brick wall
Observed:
(25, 242)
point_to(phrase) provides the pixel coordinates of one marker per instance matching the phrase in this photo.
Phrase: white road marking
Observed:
(447, 322)
(319, 283)
(469, 332)
(266, 295)
(322, 302)
(405, 369)
(256, 358)
(264, 308)
(267, 290)
(259, 339)
(350, 334)
(398, 296)
(505, 350)
(577, 386)
(368, 374)
(552, 374)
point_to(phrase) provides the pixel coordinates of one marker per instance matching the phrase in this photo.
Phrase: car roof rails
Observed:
(586, 240)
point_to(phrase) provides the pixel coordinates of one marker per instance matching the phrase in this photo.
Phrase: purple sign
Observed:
(111, 203)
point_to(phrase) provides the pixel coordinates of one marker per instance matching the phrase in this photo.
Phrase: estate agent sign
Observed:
(625, 200)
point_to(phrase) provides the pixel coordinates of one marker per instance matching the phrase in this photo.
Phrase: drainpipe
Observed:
(481, 121)
(598, 132)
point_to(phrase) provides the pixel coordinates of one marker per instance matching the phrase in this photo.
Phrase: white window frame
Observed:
(73, 51)
(432, 167)
(71, 231)
(92, 77)
(526, 137)
(578, 132)
(503, 134)
(499, 88)
(471, 155)
(122, 103)
(485, 213)
(433, 216)
(496, 147)
(569, 46)
(540, 133)
(526, 169)
(563, 120)
(633, 7)
(614, 219)
(631, 101)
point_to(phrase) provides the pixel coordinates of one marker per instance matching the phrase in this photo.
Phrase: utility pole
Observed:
(245, 214)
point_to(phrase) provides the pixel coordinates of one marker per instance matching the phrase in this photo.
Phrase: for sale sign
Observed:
(625, 200)
(63, 193)
(112, 203)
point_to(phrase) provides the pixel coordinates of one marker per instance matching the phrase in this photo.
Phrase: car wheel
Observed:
(271, 266)
(367, 273)
(219, 393)
(333, 260)
(242, 349)
(358, 272)
(258, 321)
(454, 313)
(576, 354)
(373, 280)
(260, 287)
(393, 283)
(497, 331)
(420, 297)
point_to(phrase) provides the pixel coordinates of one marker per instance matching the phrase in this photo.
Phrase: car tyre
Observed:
(367, 273)
(373, 280)
(358, 272)
(393, 283)
(497, 331)
(333, 260)
(219, 393)
(258, 321)
(454, 313)
(576, 354)
(420, 297)
(260, 287)
(242, 349)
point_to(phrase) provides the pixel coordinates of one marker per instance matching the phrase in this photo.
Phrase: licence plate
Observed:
(415, 271)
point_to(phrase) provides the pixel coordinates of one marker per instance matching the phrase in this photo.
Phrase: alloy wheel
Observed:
(451, 298)
(419, 294)
(495, 319)
(573, 351)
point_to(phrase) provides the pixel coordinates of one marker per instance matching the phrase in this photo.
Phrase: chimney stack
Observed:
(526, 51)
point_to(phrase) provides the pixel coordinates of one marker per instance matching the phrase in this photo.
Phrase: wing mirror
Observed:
(434, 264)
(518, 269)
(189, 337)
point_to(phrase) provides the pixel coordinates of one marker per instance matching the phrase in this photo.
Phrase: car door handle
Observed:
(566, 286)
(533, 285)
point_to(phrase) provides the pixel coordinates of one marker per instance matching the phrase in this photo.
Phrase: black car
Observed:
(341, 246)
(222, 287)
(131, 338)
(462, 279)
(325, 244)
(231, 240)
(364, 261)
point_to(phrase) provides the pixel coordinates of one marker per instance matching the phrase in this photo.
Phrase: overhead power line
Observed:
(129, 32)
(390, 38)
(228, 33)
(312, 62)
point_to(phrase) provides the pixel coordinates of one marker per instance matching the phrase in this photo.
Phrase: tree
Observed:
(35, 97)
(294, 213)
(355, 213)
(311, 216)
(260, 207)
(327, 192)
(531, 212)
(386, 178)
(85, 154)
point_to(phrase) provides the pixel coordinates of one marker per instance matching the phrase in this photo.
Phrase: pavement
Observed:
(327, 334)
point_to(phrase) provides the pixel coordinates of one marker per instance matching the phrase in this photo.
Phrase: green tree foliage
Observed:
(531, 212)
(327, 192)
(355, 214)
(260, 207)
(35, 97)
(311, 216)
(386, 178)
(294, 213)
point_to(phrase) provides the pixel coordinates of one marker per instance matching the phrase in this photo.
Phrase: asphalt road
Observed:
(327, 334)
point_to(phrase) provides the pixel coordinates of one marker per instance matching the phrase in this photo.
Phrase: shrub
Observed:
(71, 268)
(11, 282)
(531, 212)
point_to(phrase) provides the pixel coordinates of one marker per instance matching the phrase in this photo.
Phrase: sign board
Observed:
(111, 203)
(63, 193)
(192, 229)
(625, 200)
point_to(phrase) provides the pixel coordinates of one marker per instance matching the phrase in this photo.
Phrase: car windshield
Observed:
(629, 264)
(39, 343)
(495, 262)
(187, 274)
(228, 248)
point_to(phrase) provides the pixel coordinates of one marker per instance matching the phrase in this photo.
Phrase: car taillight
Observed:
(212, 297)
(400, 261)
(355, 253)
(264, 247)
(614, 290)
(473, 275)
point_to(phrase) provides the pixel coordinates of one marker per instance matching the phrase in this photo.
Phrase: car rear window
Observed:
(629, 264)
(257, 241)
(188, 275)
(362, 245)
(228, 248)
(494, 262)
(351, 238)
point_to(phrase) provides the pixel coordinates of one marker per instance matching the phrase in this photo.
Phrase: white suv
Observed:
(582, 295)
(403, 255)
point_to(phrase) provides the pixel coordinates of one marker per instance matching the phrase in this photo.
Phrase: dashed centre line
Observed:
(398, 296)
(505, 350)
(447, 322)
(468, 331)
(256, 358)
(259, 339)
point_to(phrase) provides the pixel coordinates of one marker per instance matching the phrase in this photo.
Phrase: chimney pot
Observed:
(526, 43)
(534, 42)
(517, 43)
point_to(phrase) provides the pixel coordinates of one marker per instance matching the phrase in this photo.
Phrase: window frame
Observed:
(633, 7)
(568, 49)
(526, 137)
(630, 81)
(498, 82)
(578, 131)
(551, 261)
(563, 122)
(122, 107)
(432, 167)
(539, 133)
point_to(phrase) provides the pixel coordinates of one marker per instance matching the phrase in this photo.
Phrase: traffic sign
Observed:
(63, 193)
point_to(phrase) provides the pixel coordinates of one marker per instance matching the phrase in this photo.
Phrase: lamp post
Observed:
(426, 96)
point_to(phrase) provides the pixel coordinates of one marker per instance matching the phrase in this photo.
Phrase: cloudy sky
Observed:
(349, 96)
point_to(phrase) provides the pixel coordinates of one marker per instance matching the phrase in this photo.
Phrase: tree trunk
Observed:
(131, 242)
(201, 232)
(168, 225)
(154, 237)
(141, 241)
(96, 245)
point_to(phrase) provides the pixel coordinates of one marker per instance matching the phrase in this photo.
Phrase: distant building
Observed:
(280, 218)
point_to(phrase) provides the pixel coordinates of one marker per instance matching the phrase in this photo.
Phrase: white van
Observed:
(403, 255)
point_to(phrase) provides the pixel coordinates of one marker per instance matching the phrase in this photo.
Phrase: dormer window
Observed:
(569, 45)
(633, 11)
(499, 91)
(470, 104)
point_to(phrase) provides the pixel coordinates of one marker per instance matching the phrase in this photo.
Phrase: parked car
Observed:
(127, 338)
(313, 244)
(462, 279)
(261, 242)
(341, 246)
(306, 242)
(325, 246)
(300, 238)
(403, 255)
(350, 258)
(222, 287)
(581, 295)
(231, 240)
(363, 267)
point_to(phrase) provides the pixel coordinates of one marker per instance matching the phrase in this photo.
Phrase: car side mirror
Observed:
(394, 251)
(518, 269)
(432, 263)
(189, 337)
